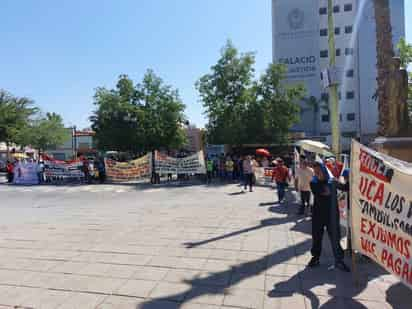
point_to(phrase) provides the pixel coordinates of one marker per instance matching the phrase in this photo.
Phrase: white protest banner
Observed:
(63, 172)
(165, 164)
(264, 176)
(26, 174)
(381, 210)
(194, 164)
(129, 171)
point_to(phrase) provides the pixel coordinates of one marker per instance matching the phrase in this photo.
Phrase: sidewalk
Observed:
(177, 247)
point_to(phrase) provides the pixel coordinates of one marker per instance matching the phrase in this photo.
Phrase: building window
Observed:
(336, 9)
(350, 73)
(324, 53)
(337, 52)
(348, 51)
(325, 97)
(325, 118)
(348, 7)
(340, 95)
(323, 11)
(337, 30)
(340, 117)
(323, 32)
(350, 95)
(348, 29)
(350, 117)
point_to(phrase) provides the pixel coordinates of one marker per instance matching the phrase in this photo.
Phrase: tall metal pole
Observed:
(333, 89)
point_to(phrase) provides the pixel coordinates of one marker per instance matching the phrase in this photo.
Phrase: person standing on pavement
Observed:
(303, 177)
(248, 171)
(229, 168)
(10, 171)
(209, 170)
(322, 218)
(281, 177)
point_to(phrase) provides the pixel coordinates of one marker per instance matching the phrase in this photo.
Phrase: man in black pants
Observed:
(248, 173)
(322, 217)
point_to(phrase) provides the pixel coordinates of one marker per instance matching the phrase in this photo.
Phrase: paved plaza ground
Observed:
(190, 247)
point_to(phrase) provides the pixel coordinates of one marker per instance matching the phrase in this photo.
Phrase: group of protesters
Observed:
(91, 169)
(319, 179)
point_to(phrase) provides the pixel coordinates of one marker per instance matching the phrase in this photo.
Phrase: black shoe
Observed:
(301, 212)
(314, 262)
(342, 266)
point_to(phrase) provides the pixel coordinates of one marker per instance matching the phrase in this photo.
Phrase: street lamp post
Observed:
(333, 88)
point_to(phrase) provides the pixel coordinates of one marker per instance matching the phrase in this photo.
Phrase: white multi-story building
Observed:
(300, 40)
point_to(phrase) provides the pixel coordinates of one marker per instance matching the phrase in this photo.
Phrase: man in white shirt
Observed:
(303, 177)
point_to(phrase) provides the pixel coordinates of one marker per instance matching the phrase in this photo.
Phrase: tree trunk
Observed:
(385, 53)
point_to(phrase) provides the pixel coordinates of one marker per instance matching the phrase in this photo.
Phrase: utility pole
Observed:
(333, 88)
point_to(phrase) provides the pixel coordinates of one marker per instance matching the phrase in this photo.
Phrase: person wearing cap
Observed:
(281, 177)
(322, 218)
(303, 177)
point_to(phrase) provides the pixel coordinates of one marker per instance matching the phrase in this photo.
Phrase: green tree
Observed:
(163, 112)
(15, 115)
(45, 133)
(405, 52)
(242, 110)
(225, 93)
(279, 102)
(138, 118)
(117, 119)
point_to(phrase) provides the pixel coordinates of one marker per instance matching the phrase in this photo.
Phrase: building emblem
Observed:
(296, 19)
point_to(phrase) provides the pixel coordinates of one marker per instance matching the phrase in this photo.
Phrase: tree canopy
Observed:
(15, 116)
(137, 118)
(45, 132)
(242, 110)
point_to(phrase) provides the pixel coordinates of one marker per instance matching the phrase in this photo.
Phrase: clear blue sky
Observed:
(58, 51)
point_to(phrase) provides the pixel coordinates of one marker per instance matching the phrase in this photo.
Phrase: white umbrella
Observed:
(314, 146)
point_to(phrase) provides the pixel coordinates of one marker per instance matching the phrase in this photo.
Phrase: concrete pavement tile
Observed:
(130, 259)
(198, 253)
(170, 291)
(317, 301)
(219, 265)
(366, 304)
(244, 298)
(162, 261)
(283, 270)
(15, 296)
(191, 305)
(320, 289)
(41, 265)
(248, 256)
(137, 288)
(69, 268)
(212, 279)
(15, 277)
(83, 300)
(205, 295)
(285, 301)
(158, 304)
(219, 254)
(244, 281)
(47, 299)
(120, 302)
(150, 273)
(191, 263)
(282, 284)
(181, 275)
